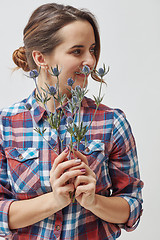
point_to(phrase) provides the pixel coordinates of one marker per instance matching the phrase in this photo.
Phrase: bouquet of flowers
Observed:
(77, 131)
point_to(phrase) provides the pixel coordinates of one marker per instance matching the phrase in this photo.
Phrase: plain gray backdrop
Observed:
(130, 36)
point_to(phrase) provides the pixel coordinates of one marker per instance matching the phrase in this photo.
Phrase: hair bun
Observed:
(19, 58)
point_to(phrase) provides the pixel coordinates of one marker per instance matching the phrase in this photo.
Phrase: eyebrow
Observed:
(81, 46)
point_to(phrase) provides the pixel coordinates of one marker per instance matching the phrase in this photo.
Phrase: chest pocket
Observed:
(98, 162)
(94, 150)
(23, 170)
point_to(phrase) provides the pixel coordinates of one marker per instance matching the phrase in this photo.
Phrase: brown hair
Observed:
(41, 32)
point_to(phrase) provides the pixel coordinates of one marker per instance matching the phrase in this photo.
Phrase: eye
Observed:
(93, 50)
(77, 51)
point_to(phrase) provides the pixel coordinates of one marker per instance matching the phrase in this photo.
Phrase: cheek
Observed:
(71, 67)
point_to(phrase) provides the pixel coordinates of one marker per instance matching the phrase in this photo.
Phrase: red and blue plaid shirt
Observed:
(26, 160)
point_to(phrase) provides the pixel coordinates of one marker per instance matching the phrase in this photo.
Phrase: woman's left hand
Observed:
(85, 186)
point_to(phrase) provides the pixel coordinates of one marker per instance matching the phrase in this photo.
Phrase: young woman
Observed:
(36, 182)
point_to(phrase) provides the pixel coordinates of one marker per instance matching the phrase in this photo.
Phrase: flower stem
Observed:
(42, 100)
(48, 143)
(100, 89)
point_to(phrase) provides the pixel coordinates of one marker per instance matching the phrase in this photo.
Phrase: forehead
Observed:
(77, 32)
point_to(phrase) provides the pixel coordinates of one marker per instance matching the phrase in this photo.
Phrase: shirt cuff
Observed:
(135, 214)
(4, 225)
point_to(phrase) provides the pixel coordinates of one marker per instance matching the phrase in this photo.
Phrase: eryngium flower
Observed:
(78, 88)
(86, 70)
(101, 72)
(52, 90)
(55, 71)
(33, 73)
(70, 82)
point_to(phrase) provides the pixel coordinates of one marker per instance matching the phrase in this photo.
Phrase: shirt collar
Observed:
(37, 111)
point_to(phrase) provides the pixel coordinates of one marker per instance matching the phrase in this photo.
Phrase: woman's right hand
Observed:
(60, 176)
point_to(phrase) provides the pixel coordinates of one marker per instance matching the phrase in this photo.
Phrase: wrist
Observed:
(92, 206)
(50, 203)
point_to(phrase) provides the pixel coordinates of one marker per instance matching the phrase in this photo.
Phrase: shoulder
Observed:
(116, 113)
(14, 109)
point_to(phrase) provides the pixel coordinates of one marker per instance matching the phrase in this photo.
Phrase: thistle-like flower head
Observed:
(70, 82)
(86, 70)
(101, 72)
(52, 90)
(55, 71)
(33, 73)
(78, 88)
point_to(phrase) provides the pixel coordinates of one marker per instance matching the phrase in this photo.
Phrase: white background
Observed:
(130, 35)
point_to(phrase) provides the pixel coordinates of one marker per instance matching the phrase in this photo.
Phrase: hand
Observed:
(62, 171)
(85, 185)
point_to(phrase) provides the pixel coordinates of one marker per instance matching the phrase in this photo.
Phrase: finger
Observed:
(65, 189)
(64, 166)
(85, 167)
(81, 180)
(81, 156)
(69, 175)
(60, 158)
(87, 189)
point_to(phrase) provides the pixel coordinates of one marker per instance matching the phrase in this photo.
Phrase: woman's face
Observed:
(76, 50)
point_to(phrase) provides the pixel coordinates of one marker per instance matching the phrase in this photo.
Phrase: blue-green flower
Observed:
(101, 72)
(55, 71)
(86, 70)
(52, 90)
(33, 73)
(70, 82)
(78, 88)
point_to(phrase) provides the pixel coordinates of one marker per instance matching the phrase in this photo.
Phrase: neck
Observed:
(51, 104)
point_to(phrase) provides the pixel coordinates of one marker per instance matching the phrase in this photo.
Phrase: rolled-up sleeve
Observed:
(124, 169)
(6, 196)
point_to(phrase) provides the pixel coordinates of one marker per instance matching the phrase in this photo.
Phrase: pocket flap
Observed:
(92, 146)
(21, 154)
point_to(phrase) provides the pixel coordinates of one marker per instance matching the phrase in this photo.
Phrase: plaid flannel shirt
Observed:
(26, 160)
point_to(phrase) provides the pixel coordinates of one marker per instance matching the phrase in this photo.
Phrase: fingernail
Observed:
(66, 150)
(77, 160)
(83, 170)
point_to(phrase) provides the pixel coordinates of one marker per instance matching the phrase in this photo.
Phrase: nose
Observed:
(89, 60)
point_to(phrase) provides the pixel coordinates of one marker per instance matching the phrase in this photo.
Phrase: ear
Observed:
(39, 59)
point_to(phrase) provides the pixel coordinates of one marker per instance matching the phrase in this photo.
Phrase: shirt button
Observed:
(20, 157)
(55, 149)
(87, 149)
(57, 227)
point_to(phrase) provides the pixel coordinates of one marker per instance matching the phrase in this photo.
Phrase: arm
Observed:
(124, 169)
(27, 212)
(110, 209)
(124, 206)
